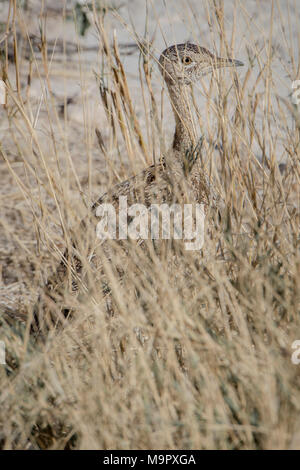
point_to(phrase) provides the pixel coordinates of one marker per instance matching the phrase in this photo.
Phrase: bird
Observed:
(175, 175)
(181, 65)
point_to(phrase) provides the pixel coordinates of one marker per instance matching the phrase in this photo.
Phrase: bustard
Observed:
(181, 65)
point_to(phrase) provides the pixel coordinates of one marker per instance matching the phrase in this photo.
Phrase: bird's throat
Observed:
(184, 136)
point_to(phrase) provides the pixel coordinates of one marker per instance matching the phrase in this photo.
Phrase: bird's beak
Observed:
(220, 62)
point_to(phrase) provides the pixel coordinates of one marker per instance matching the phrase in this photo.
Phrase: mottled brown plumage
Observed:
(176, 177)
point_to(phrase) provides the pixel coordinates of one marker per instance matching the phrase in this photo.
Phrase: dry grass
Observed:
(198, 351)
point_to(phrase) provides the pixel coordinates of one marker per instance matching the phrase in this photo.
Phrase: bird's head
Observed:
(186, 63)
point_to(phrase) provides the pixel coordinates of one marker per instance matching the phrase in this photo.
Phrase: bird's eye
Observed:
(186, 60)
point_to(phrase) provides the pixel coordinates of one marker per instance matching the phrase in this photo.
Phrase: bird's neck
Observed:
(184, 137)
